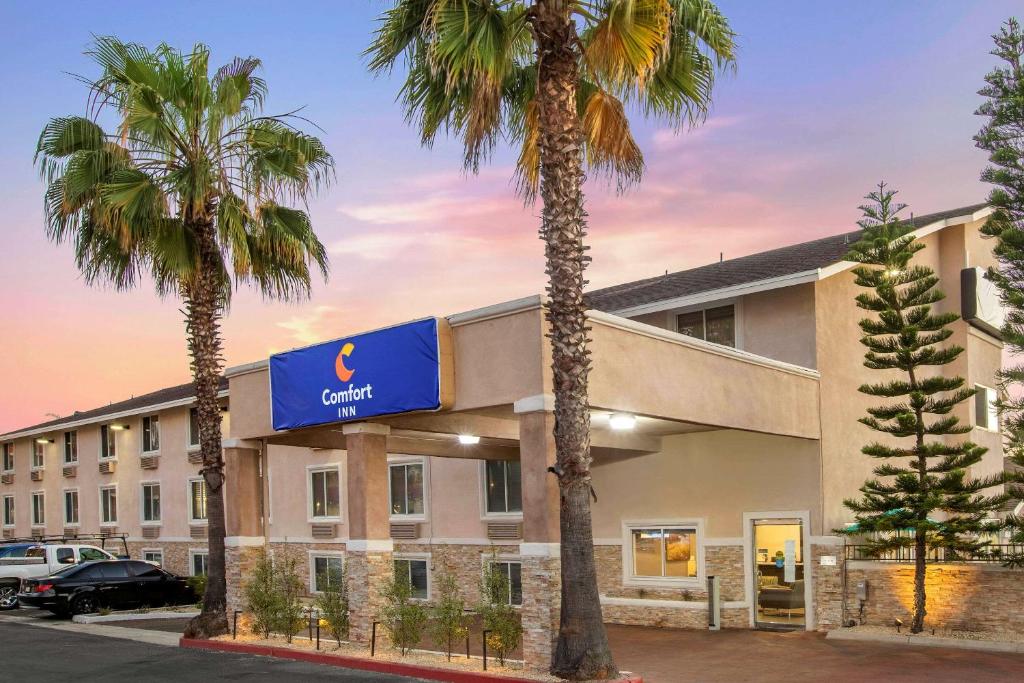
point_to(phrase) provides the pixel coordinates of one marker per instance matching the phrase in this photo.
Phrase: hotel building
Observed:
(724, 434)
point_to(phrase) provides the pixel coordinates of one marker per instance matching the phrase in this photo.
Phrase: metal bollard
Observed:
(485, 647)
(318, 635)
(373, 638)
(310, 613)
(467, 647)
(234, 624)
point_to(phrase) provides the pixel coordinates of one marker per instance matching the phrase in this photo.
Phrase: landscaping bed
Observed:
(997, 641)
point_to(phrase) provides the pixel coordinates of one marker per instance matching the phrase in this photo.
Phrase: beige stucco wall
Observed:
(779, 324)
(715, 476)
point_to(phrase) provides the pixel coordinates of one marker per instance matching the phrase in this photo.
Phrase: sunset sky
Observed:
(829, 98)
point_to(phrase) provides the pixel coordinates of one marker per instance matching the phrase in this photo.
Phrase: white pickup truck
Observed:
(35, 560)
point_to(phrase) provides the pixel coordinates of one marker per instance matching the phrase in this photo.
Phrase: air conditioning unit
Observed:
(197, 531)
(405, 531)
(36, 475)
(8, 533)
(323, 531)
(195, 457)
(151, 532)
(107, 467)
(70, 532)
(149, 462)
(504, 531)
(6, 478)
(70, 471)
(108, 531)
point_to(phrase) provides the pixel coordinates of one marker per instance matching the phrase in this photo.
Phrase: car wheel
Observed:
(9, 596)
(83, 604)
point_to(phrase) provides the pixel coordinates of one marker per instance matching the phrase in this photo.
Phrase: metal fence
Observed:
(994, 552)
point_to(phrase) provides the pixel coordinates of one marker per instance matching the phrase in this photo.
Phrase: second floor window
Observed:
(503, 488)
(8, 510)
(108, 444)
(406, 487)
(193, 427)
(151, 502)
(38, 455)
(325, 494)
(197, 499)
(38, 508)
(71, 507)
(151, 434)
(108, 505)
(716, 325)
(8, 464)
(70, 447)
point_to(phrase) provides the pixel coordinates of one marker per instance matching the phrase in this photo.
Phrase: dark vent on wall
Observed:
(70, 471)
(6, 478)
(323, 531)
(149, 462)
(197, 531)
(504, 531)
(107, 467)
(405, 531)
(195, 457)
(151, 532)
(36, 475)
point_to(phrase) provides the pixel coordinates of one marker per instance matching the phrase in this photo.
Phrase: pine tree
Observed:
(1003, 138)
(922, 470)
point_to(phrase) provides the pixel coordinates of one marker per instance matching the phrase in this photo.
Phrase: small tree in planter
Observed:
(497, 613)
(448, 624)
(332, 604)
(402, 618)
(289, 587)
(261, 597)
(905, 338)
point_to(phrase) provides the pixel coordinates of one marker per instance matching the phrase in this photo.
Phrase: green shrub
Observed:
(333, 605)
(198, 586)
(261, 598)
(402, 619)
(498, 616)
(447, 625)
(289, 589)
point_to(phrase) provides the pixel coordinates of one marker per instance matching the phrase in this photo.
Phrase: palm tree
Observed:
(556, 77)
(187, 189)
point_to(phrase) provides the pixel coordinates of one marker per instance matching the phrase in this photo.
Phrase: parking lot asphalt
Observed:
(34, 653)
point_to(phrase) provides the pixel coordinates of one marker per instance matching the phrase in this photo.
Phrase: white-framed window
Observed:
(38, 508)
(193, 428)
(38, 455)
(662, 553)
(8, 457)
(503, 488)
(108, 443)
(108, 505)
(325, 568)
(324, 492)
(714, 324)
(407, 488)
(151, 502)
(513, 573)
(154, 555)
(198, 562)
(70, 507)
(8, 511)
(415, 569)
(986, 415)
(151, 434)
(70, 448)
(197, 500)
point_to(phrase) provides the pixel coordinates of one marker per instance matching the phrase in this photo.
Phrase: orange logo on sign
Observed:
(344, 374)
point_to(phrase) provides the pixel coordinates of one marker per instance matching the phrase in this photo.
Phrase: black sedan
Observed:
(115, 584)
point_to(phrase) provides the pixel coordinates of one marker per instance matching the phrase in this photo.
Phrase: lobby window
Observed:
(513, 583)
(414, 571)
(38, 508)
(151, 434)
(38, 455)
(71, 507)
(324, 493)
(153, 556)
(151, 502)
(70, 447)
(8, 464)
(197, 500)
(716, 325)
(199, 561)
(108, 443)
(327, 572)
(193, 427)
(108, 505)
(986, 415)
(406, 488)
(503, 487)
(662, 553)
(8, 510)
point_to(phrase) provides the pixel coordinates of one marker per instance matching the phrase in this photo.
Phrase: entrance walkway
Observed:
(735, 656)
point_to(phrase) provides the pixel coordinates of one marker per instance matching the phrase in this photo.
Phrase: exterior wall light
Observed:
(468, 439)
(622, 421)
(119, 427)
(44, 440)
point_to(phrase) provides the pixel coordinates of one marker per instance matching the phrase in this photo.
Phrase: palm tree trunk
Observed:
(582, 651)
(204, 304)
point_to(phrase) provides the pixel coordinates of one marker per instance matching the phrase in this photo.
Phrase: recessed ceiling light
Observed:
(468, 439)
(622, 421)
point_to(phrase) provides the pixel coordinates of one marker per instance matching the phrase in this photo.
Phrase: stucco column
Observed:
(243, 516)
(540, 547)
(368, 561)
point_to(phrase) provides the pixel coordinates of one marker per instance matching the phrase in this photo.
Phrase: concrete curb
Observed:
(376, 665)
(926, 641)
(134, 616)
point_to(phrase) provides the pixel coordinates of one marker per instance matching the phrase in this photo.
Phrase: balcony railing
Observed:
(994, 552)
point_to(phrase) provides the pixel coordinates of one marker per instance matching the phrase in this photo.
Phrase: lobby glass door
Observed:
(779, 573)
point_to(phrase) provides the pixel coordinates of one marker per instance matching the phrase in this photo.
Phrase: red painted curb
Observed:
(377, 665)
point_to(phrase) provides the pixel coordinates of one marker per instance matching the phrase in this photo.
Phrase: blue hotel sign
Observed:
(398, 369)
